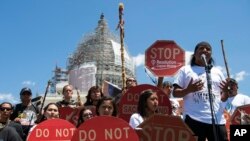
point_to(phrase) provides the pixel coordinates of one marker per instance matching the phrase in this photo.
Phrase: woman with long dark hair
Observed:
(147, 106)
(94, 94)
(106, 106)
(85, 114)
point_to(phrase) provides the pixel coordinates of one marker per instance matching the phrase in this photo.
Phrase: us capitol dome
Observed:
(96, 58)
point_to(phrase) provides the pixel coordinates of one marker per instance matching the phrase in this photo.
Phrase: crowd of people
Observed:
(199, 84)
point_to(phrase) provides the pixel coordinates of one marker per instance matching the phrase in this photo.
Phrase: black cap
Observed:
(200, 44)
(233, 81)
(26, 89)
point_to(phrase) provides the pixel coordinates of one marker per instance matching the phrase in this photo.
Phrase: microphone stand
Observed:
(209, 87)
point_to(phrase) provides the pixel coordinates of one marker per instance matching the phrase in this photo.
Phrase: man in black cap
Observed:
(25, 112)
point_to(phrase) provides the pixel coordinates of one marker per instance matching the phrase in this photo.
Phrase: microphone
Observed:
(203, 58)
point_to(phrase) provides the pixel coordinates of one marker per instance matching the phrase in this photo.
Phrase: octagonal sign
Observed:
(161, 127)
(164, 58)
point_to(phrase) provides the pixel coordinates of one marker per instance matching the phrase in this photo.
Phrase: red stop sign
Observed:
(165, 128)
(129, 101)
(105, 128)
(164, 58)
(52, 130)
(237, 117)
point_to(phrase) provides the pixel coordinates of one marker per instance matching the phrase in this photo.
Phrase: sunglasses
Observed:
(26, 93)
(5, 109)
(132, 80)
(87, 115)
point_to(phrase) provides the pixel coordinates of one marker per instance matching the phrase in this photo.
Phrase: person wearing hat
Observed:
(25, 112)
(235, 99)
(191, 85)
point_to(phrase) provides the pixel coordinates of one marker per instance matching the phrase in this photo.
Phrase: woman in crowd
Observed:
(167, 89)
(50, 111)
(85, 114)
(147, 106)
(94, 94)
(106, 106)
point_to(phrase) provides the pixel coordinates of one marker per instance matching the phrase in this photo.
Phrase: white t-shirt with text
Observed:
(197, 104)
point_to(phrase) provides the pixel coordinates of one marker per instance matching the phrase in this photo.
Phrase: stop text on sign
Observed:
(163, 53)
(164, 58)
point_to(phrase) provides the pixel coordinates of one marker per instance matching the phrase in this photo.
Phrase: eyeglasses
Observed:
(4, 108)
(131, 80)
(87, 115)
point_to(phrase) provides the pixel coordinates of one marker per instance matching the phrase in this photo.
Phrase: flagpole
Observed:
(121, 26)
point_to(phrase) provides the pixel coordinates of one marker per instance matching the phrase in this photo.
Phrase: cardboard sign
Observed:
(129, 101)
(164, 128)
(239, 113)
(105, 128)
(52, 129)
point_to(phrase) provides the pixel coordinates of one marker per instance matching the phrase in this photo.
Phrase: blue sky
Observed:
(36, 35)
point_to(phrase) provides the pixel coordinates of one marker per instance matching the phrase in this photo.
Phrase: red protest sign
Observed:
(164, 128)
(69, 114)
(239, 115)
(92, 108)
(105, 128)
(52, 129)
(72, 114)
(228, 122)
(129, 101)
(164, 58)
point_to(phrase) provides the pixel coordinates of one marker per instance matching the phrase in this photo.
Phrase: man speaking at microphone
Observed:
(198, 93)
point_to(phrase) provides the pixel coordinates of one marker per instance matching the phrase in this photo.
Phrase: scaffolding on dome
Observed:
(103, 48)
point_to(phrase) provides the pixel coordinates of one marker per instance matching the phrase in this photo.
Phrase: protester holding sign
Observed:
(106, 106)
(85, 114)
(51, 111)
(68, 107)
(147, 106)
(167, 88)
(236, 99)
(191, 84)
(67, 98)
